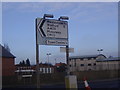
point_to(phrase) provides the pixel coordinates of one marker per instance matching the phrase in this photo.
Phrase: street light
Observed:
(48, 15)
(63, 18)
(99, 50)
(48, 54)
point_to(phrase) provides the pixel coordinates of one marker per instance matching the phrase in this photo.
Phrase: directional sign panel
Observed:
(55, 29)
(52, 32)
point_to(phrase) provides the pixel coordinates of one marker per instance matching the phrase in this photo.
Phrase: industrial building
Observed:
(93, 62)
(112, 63)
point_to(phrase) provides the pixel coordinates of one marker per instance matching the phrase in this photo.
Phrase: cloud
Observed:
(17, 0)
(37, 7)
(86, 11)
(60, 0)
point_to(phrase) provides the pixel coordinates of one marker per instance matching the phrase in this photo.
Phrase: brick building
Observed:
(7, 59)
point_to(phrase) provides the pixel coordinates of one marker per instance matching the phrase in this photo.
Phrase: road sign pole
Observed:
(37, 60)
(67, 59)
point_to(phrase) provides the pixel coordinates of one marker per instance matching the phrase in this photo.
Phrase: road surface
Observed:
(113, 84)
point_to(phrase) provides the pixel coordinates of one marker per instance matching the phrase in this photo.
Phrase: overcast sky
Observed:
(92, 26)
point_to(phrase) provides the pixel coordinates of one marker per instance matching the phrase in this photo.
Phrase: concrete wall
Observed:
(108, 65)
(96, 75)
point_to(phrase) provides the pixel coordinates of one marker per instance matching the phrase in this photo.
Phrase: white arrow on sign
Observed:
(40, 23)
(54, 28)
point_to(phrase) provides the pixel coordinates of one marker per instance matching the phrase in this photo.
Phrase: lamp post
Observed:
(99, 50)
(67, 46)
(55, 60)
(37, 51)
(48, 16)
(48, 54)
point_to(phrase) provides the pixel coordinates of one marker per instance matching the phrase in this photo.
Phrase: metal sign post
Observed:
(37, 60)
(67, 50)
(51, 32)
(67, 59)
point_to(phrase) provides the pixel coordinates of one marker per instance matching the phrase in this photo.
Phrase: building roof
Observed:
(59, 64)
(86, 56)
(109, 59)
(5, 53)
(43, 65)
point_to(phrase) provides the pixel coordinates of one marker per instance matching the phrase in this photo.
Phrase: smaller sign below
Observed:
(26, 75)
(57, 42)
(63, 49)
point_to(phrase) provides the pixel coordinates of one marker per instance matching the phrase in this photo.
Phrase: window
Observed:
(94, 64)
(75, 64)
(81, 64)
(47, 70)
(88, 58)
(89, 69)
(40, 69)
(81, 59)
(50, 70)
(18, 68)
(43, 70)
(89, 64)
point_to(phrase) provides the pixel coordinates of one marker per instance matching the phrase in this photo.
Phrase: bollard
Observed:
(71, 82)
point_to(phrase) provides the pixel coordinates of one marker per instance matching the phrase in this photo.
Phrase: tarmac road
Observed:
(113, 84)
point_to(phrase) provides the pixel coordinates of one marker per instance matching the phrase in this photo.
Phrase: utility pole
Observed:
(55, 60)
